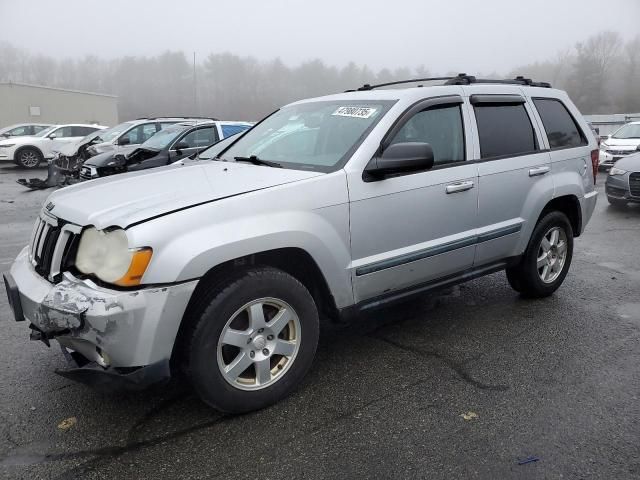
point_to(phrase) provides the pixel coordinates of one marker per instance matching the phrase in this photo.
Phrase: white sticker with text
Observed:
(356, 112)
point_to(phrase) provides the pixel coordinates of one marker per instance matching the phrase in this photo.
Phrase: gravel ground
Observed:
(461, 384)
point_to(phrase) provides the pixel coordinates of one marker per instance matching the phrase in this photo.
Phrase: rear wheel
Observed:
(28, 158)
(253, 341)
(617, 202)
(547, 258)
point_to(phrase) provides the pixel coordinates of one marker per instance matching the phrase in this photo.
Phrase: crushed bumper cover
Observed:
(123, 337)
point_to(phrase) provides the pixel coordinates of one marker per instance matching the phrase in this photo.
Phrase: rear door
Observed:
(514, 173)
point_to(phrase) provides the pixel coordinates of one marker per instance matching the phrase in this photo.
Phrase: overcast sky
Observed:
(471, 36)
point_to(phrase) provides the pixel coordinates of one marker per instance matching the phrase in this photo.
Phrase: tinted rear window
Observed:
(560, 126)
(504, 130)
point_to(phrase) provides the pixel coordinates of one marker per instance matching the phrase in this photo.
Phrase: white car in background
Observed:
(29, 152)
(22, 129)
(621, 143)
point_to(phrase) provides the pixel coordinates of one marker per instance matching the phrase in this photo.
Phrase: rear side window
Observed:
(82, 131)
(504, 130)
(562, 130)
(441, 127)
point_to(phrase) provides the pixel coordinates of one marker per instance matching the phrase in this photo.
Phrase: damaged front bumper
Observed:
(117, 338)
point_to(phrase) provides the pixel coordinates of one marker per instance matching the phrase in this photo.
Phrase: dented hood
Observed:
(122, 200)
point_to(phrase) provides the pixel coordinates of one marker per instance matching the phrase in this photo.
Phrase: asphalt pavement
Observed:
(467, 383)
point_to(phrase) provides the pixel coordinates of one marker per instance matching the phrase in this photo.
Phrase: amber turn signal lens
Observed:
(139, 263)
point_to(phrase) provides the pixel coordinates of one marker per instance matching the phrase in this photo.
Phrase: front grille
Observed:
(85, 173)
(50, 244)
(634, 184)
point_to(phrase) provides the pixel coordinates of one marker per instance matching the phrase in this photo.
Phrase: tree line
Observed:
(601, 74)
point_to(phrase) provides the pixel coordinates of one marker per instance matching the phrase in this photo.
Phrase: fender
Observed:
(313, 217)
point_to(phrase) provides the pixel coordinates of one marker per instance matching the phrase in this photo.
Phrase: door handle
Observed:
(535, 172)
(459, 187)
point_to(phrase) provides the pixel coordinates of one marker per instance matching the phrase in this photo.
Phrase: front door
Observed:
(416, 228)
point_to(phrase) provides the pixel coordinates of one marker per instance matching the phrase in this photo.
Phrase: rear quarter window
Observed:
(561, 128)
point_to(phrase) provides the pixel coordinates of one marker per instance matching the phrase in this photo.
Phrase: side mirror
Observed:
(52, 136)
(180, 146)
(399, 158)
(124, 141)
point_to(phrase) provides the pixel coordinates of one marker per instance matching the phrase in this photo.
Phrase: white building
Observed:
(24, 103)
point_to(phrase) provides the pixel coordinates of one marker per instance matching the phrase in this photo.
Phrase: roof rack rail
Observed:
(460, 79)
(188, 117)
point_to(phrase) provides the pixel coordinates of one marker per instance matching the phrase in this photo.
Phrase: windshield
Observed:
(164, 137)
(111, 133)
(310, 136)
(216, 148)
(45, 132)
(630, 130)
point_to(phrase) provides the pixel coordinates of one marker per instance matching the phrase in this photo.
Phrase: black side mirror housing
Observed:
(397, 158)
(180, 146)
(52, 136)
(124, 141)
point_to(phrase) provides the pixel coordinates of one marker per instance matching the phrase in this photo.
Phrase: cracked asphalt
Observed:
(555, 379)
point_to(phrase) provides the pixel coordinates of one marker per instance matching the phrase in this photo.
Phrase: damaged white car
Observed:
(222, 266)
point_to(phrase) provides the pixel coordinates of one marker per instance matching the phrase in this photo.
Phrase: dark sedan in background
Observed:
(167, 146)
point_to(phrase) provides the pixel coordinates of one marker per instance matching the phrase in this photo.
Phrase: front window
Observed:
(45, 132)
(113, 132)
(630, 130)
(311, 136)
(163, 138)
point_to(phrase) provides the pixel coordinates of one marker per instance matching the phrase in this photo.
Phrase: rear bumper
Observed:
(112, 332)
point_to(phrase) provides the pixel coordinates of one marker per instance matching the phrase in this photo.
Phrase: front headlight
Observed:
(617, 171)
(107, 256)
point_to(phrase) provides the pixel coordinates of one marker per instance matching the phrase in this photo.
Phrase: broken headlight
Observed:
(106, 254)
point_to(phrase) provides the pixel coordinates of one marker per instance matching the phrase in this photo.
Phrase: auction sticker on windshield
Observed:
(356, 112)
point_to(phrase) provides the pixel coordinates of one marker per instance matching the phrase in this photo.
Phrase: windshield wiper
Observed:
(257, 161)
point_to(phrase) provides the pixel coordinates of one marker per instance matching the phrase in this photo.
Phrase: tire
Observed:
(616, 202)
(28, 158)
(224, 337)
(527, 277)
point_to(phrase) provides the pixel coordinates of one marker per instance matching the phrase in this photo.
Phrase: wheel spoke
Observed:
(542, 261)
(256, 316)
(554, 237)
(562, 248)
(238, 366)
(546, 246)
(284, 347)
(263, 371)
(545, 272)
(237, 338)
(279, 321)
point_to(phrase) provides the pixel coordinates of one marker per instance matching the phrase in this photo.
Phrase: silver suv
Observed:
(222, 268)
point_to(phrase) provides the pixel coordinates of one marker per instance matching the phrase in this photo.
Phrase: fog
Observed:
(487, 36)
(252, 56)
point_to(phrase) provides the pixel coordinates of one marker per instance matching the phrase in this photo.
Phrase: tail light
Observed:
(595, 160)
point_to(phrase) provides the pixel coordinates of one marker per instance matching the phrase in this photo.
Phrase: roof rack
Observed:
(189, 117)
(460, 79)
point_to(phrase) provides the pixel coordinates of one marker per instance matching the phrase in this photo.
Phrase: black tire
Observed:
(28, 158)
(616, 202)
(206, 327)
(524, 277)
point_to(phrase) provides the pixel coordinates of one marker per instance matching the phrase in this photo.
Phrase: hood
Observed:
(630, 143)
(19, 140)
(630, 163)
(104, 159)
(122, 200)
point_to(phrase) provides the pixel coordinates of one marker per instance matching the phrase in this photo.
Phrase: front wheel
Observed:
(546, 260)
(254, 341)
(28, 158)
